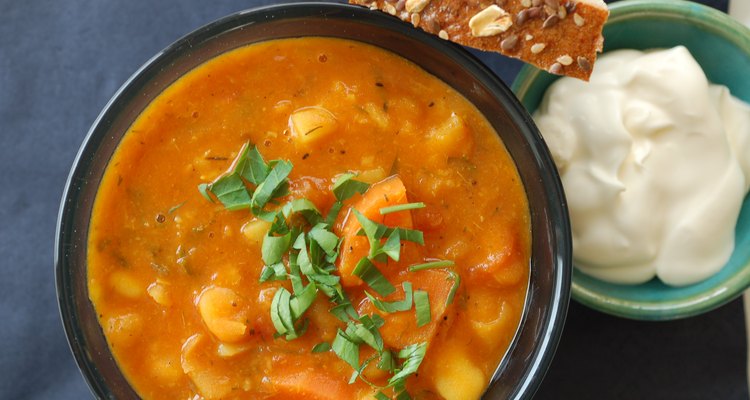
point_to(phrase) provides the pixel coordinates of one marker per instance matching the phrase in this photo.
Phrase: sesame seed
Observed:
(522, 16)
(562, 12)
(529, 36)
(551, 21)
(556, 69)
(443, 34)
(584, 63)
(565, 60)
(509, 43)
(535, 12)
(415, 18)
(389, 8)
(578, 19)
(526, 3)
(400, 5)
(537, 48)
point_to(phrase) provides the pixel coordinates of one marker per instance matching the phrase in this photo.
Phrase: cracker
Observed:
(560, 36)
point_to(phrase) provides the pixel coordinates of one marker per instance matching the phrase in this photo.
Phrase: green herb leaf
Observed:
(422, 307)
(381, 396)
(346, 349)
(456, 278)
(204, 188)
(394, 306)
(452, 275)
(280, 315)
(321, 347)
(387, 361)
(230, 190)
(274, 247)
(431, 265)
(275, 272)
(345, 187)
(401, 207)
(275, 180)
(251, 165)
(409, 235)
(403, 395)
(176, 207)
(345, 312)
(333, 213)
(327, 240)
(412, 356)
(371, 275)
(303, 300)
(304, 207)
(392, 246)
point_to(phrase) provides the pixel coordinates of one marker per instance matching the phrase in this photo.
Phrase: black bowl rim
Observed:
(543, 354)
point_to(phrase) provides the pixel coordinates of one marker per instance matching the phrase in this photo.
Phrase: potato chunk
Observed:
(255, 230)
(311, 124)
(197, 365)
(452, 138)
(457, 378)
(221, 311)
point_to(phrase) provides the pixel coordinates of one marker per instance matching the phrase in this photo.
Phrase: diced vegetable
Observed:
(389, 192)
(197, 365)
(306, 384)
(455, 376)
(126, 284)
(221, 311)
(254, 230)
(400, 328)
(311, 124)
(453, 138)
(159, 292)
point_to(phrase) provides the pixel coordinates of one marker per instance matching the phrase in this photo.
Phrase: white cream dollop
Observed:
(655, 162)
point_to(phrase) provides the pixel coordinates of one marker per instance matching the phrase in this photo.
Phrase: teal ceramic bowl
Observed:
(722, 47)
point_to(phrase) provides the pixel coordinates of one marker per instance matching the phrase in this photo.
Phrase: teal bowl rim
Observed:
(708, 19)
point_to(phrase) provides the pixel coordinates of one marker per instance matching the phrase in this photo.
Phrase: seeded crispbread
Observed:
(560, 36)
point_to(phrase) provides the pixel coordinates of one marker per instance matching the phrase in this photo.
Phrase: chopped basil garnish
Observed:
(412, 356)
(272, 185)
(231, 192)
(452, 275)
(346, 349)
(251, 165)
(371, 275)
(304, 251)
(431, 265)
(346, 187)
(422, 307)
(321, 347)
(401, 207)
(274, 248)
(394, 306)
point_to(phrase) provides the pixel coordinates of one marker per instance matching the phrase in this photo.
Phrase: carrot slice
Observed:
(388, 192)
(308, 384)
(400, 328)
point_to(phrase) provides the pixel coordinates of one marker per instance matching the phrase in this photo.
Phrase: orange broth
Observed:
(175, 278)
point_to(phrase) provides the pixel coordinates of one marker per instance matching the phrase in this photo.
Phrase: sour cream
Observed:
(655, 162)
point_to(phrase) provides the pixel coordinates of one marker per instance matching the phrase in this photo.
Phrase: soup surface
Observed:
(309, 218)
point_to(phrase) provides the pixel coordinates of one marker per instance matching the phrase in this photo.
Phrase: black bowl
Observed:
(530, 354)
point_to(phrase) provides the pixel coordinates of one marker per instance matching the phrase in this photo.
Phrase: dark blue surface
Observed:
(60, 61)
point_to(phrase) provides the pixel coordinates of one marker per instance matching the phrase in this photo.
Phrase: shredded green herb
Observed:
(371, 275)
(422, 307)
(321, 347)
(346, 187)
(394, 306)
(401, 207)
